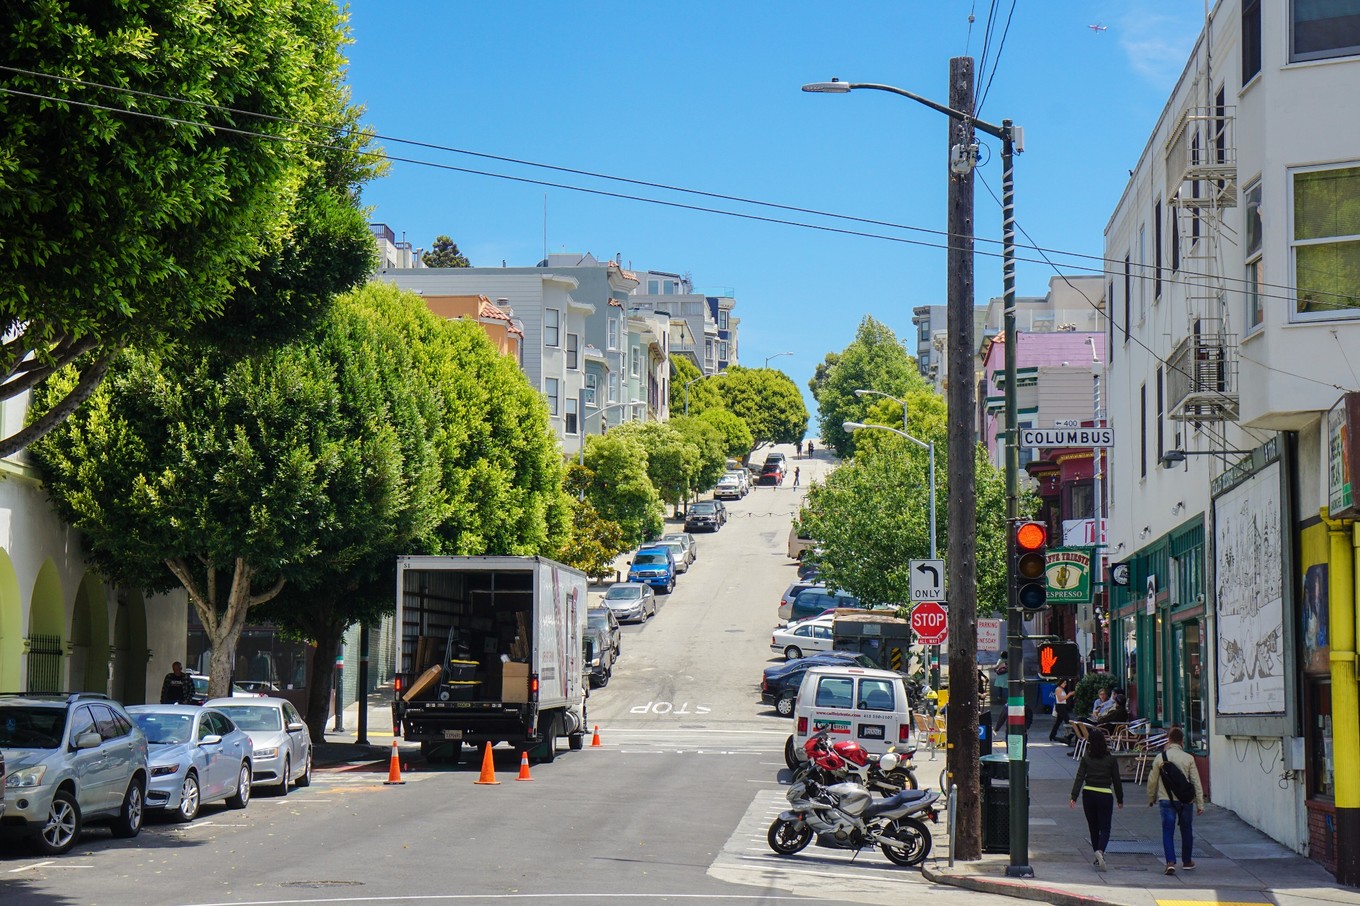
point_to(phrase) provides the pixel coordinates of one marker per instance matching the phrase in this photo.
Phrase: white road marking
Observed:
(30, 867)
(724, 897)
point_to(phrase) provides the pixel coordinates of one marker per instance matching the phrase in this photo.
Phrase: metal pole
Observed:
(338, 685)
(935, 664)
(361, 691)
(1019, 866)
(962, 721)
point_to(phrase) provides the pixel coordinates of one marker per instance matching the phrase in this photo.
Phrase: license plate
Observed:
(453, 734)
(870, 731)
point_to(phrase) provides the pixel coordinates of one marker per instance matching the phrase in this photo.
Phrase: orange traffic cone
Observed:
(393, 768)
(595, 743)
(488, 775)
(524, 767)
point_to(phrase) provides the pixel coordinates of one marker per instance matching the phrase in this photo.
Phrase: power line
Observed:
(996, 61)
(1108, 266)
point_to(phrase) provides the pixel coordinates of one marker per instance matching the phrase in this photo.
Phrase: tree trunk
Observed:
(327, 638)
(223, 642)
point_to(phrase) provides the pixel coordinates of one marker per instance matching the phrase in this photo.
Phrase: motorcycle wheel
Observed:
(914, 839)
(789, 758)
(787, 838)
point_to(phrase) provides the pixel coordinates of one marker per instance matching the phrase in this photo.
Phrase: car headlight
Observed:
(26, 778)
(163, 770)
(266, 753)
(594, 662)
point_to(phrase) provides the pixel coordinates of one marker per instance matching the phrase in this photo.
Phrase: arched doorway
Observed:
(46, 624)
(90, 638)
(11, 626)
(129, 649)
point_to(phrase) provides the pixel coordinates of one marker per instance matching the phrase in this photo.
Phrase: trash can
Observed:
(996, 803)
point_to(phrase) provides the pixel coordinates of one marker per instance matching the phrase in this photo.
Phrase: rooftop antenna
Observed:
(545, 228)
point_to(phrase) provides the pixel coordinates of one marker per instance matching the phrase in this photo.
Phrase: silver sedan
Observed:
(197, 756)
(282, 752)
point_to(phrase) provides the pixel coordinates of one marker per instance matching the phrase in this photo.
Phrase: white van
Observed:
(856, 703)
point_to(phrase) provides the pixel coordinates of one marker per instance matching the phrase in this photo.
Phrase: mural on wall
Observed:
(1249, 577)
(1313, 618)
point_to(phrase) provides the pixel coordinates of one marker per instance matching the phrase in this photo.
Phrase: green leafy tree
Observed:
(160, 221)
(618, 486)
(594, 542)
(874, 360)
(703, 394)
(710, 444)
(736, 437)
(672, 461)
(821, 373)
(768, 402)
(444, 253)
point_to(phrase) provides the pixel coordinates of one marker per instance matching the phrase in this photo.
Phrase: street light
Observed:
(699, 378)
(962, 160)
(775, 356)
(1175, 457)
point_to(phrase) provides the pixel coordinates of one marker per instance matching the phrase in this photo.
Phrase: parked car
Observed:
(815, 600)
(743, 477)
(255, 687)
(197, 756)
(238, 690)
(771, 473)
(72, 760)
(729, 487)
(685, 538)
(631, 602)
(775, 456)
(800, 542)
(602, 619)
(808, 568)
(816, 659)
(786, 599)
(282, 746)
(677, 550)
(868, 706)
(706, 515)
(654, 566)
(812, 635)
(599, 657)
(781, 689)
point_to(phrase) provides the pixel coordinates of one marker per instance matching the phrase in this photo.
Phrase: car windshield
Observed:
(165, 729)
(646, 559)
(623, 593)
(31, 727)
(254, 717)
(599, 618)
(704, 507)
(200, 685)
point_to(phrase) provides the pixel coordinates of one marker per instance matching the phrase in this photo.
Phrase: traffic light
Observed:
(1028, 564)
(1059, 660)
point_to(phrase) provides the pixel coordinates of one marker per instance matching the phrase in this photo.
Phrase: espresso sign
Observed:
(1343, 457)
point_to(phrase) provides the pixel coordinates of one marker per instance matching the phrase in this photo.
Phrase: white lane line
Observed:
(723, 897)
(295, 799)
(30, 867)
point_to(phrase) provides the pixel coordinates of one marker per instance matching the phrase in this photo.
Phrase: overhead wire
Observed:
(996, 62)
(1108, 266)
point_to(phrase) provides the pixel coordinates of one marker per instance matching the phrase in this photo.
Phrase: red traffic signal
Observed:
(1059, 660)
(1028, 564)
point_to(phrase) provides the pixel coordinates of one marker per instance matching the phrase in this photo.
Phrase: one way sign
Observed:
(927, 580)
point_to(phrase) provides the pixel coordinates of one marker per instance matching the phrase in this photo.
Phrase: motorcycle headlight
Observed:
(26, 778)
(163, 770)
(266, 753)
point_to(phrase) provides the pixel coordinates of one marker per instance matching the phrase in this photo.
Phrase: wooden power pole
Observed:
(962, 725)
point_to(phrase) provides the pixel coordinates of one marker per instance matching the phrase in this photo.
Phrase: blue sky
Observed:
(705, 95)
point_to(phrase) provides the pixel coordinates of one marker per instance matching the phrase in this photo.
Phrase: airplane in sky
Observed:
(1098, 28)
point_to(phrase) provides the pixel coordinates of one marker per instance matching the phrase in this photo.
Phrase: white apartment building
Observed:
(1233, 291)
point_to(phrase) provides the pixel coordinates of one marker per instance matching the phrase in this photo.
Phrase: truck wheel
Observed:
(789, 758)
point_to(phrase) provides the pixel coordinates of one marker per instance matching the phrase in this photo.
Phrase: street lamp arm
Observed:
(856, 426)
(835, 87)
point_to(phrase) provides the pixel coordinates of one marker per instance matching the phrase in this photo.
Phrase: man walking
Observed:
(1174, 782)
(178, 686)
(796, 472)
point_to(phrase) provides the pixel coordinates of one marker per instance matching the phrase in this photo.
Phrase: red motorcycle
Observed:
(834, 762)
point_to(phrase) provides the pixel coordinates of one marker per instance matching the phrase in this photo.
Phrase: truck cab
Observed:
(655, 566)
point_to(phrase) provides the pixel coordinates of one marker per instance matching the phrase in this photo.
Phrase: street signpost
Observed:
(927, 580)
(930, 622)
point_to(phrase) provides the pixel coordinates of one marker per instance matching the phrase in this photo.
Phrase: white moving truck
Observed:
(490, 649)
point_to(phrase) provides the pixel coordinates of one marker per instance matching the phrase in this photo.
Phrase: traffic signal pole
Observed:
(1019, 866)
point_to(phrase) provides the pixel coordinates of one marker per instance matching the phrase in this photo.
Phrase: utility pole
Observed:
(961, 437)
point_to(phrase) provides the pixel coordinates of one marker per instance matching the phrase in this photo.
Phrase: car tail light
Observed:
(802, 726)
(397, 686)
(902, 731)
(533, 687)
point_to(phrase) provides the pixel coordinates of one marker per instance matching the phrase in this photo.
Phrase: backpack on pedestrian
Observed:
(1175, 782)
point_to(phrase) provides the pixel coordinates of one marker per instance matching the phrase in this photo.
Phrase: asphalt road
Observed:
(672, 807)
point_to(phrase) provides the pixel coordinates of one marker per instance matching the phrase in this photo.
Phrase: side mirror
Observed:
(295, 726)
(211, 739)
(89, 740)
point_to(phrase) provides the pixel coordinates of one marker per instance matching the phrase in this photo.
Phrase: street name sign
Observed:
(927, 580)
(1067, 437)
(930, 623)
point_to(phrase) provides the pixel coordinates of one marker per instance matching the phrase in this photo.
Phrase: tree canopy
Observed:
(736, 437)
(768, 402)
(444, 253)
(874, 360)
(134, 205)
(617, 484)
(703, 394)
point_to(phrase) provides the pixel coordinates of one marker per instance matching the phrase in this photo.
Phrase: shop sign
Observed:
(1069, 575)
(1343, 456)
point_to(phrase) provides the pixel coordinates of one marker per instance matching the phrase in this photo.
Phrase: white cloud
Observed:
(1158, 42)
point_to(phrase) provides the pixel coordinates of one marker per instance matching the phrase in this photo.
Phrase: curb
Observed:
(1017, 889)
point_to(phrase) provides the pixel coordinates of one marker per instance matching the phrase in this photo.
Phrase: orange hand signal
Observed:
(1047, 659)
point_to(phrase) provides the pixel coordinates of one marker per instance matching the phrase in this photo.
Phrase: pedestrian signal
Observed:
(1059, 660)
(1028, 544)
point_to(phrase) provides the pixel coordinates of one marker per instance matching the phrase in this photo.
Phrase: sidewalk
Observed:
(1235, 863)
(340, 748)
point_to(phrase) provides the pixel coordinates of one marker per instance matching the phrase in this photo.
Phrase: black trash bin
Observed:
(996, 803)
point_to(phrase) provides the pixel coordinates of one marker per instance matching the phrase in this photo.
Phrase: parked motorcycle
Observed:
(828, 763)
(846, 816)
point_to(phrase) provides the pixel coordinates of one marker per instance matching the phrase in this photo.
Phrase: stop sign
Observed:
(930, 622)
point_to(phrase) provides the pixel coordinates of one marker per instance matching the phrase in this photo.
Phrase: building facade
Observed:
(1234, 262)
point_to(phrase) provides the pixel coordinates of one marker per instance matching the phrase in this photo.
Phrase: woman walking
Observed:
(1101, 789)
(1061, 708)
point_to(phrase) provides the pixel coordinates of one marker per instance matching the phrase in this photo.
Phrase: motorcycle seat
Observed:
(897, 801)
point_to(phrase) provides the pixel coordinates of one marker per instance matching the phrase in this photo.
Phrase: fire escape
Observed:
(1201, 168)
